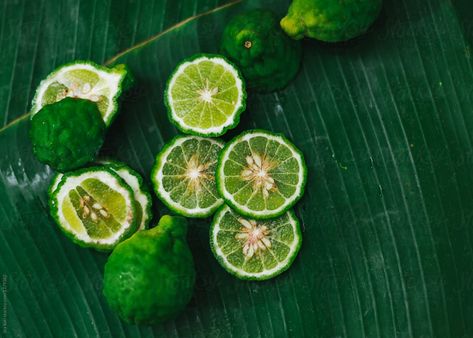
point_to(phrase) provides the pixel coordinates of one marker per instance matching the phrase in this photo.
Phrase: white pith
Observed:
(71, 182)
(141, 198)
(111, 80)
(206, 95)
(159, 176)
(266, 273)
(228, 196)
(57, 180)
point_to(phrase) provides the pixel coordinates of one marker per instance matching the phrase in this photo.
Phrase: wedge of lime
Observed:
(254, 250)
(205, 95)
(184, 175)
(85, 80)
(140, 190)
(261, 174)
(94, 207)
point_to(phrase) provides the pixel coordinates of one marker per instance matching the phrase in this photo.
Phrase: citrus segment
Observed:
(141, 192)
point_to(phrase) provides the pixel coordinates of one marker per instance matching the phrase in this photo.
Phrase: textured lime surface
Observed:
(266, 56)
(261, 174)
(329, 20)
(140, 191)
(184, 175)
(251, 249)
(67, 134)
(384, 123)
(94, 207)
(149, 278)
(205, 95)
(85, 80)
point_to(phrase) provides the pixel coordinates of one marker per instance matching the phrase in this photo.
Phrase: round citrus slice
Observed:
(141, 192)
(261, 174)
(184, 175)
(94, 207)
(251, 249)
(205, 95)
(85, 80)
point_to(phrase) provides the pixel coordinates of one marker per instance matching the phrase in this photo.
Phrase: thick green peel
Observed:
(268, 59)
(150, 277)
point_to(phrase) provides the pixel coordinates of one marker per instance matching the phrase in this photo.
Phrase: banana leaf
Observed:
(384, 122)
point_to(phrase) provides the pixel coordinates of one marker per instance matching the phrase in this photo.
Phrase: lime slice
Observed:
(261, 174)
(85, 80)
(255, 250)
(184, 175)
(94, 207)
(141, 192)
(205, 95)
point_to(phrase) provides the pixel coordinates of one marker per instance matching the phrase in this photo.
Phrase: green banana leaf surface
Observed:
(386, 125)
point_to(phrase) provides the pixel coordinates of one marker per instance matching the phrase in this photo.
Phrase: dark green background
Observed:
(385, 123)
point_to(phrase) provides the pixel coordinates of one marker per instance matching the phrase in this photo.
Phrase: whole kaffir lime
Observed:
(150, 277)
(67, 134)
(266, 56)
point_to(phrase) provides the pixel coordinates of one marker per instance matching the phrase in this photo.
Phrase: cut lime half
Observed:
(255, 250)
(261, 174)
(141, 192)
(94, 207)
(85, 80)
(184, 175)
(205, 95)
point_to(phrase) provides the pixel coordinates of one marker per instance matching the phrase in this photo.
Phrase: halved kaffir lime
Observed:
(94, 207)
(85, 80)
(205, 95)
(261, 174)
(251, 249)
(184, 175)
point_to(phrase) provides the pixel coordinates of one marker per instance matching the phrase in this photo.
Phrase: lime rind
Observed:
(57, 178)
(157, 177)
(260, 276)
(113, 77)
(109, 177)
(239, 107)
(141, 192)
(244, 210)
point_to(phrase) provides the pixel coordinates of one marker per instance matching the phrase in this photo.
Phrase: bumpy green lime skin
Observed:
(67, 134)
(268, 59)
(329, 20)
(150, 277)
